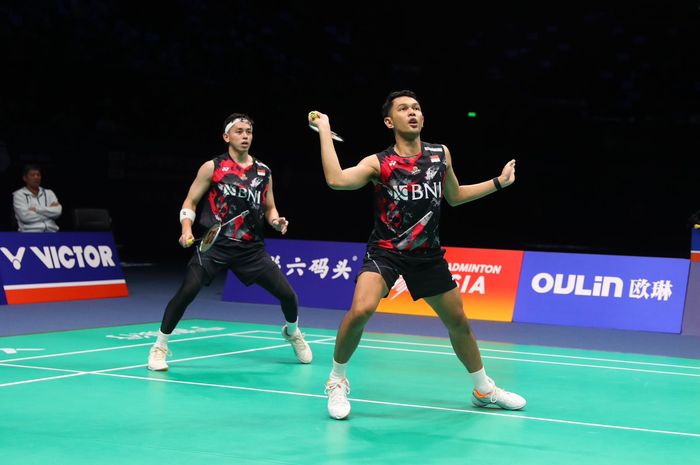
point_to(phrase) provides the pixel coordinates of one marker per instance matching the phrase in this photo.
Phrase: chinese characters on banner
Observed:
(321, 273)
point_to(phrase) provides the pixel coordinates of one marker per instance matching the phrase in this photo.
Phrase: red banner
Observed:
(487, 279)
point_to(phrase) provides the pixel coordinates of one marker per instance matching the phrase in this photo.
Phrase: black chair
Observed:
(91, 219)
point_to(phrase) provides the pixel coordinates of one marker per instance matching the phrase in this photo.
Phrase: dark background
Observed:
(122, 102)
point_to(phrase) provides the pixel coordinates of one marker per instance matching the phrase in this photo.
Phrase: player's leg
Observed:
(369, 290)
(195, 278)
(274, 282)
(448, 307)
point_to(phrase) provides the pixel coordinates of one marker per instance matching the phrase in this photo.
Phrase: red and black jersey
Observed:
(237, 196)
(407, 200)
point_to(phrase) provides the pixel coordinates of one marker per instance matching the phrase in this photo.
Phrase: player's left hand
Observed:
(507, 176)
(280, 224)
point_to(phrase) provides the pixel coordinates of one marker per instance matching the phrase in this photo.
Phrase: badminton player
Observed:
(409, 178)
(232, 184)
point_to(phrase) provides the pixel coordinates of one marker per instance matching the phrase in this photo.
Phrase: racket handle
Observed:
(334, 136)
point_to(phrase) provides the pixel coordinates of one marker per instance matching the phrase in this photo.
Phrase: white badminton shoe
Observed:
(300, 346)
(338, 403)
(156, 359)
(498, 398)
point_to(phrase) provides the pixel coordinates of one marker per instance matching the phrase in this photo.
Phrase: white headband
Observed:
(237, 120)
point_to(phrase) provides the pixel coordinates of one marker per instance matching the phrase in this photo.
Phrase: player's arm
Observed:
(199, 187)
(457, 195)
(272, 216)
(338, 178)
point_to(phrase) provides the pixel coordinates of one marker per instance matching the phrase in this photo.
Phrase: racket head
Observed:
(210, 237)
(334, 136)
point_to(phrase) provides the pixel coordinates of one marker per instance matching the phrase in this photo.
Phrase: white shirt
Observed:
(41, 220)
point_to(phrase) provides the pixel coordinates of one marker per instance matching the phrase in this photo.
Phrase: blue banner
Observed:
(40, 267)
(321, 273)
(636, 293)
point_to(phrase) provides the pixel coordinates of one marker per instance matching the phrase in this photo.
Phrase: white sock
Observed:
(162, 340)
(482, 383)
(292, 328)
(338, 371)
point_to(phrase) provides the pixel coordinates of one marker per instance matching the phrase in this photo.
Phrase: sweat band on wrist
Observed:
(497, 183)
(187, 213)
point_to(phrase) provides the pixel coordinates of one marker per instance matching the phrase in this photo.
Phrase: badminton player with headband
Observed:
(410, 178)
(238, 200)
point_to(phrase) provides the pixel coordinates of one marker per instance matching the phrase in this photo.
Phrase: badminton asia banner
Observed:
(636, 293)
(321, 273)
(48, 267)
(486, 279)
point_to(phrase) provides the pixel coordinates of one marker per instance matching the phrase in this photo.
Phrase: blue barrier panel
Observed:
(637, 293)
(44, 267)
(3, 300)
(691, 315)
(321, 273)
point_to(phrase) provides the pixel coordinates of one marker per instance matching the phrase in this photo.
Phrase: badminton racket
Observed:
(209, 237)
(312, 116)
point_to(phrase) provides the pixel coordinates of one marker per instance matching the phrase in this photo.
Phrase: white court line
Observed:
(202, 357)
(141, 365)
(524, 360)
(72, 374)
(574, 357)
(451, 353)
(105, 372)
(103, 349)
(539, 354)
(417, 406)
(367, 401)
(243, 334)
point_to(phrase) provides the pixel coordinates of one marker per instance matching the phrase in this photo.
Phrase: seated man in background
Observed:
(36, 208)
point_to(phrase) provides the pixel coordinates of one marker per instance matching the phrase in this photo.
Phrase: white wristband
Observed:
(187, 213)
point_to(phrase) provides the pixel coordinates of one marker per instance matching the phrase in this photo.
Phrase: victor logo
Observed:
(54, 257)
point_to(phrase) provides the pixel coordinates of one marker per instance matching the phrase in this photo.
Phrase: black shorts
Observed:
(426, 274)
(247, 261)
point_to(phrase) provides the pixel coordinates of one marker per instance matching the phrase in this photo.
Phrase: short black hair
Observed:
(235, 116)
(386, 108)
(30, 167)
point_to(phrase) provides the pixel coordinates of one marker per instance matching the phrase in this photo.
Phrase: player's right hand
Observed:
(186, 240)
(319, 119)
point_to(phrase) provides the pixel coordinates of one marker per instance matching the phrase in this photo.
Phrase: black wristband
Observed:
(497, 183)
